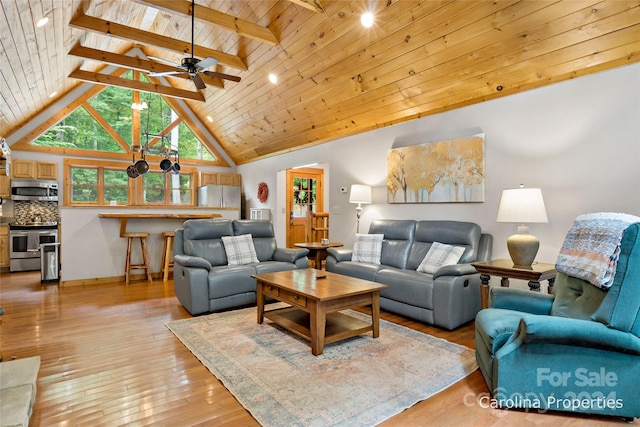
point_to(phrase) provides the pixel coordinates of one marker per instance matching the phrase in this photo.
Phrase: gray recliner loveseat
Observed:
(449, 297)
(204, 280)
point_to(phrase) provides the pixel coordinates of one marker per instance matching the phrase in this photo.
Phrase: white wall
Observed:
(91, 247)
(579, 141)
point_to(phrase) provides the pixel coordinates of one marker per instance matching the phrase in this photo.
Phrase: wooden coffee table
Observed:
(315, 304)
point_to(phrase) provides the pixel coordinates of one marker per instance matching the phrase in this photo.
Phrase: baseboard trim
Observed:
(105, 280)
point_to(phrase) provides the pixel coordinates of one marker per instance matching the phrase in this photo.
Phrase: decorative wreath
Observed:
(263, 192)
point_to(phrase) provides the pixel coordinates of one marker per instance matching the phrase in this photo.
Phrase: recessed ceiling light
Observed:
(209, 118)
(366, 19)
(42, 22)
(52, 94)
(273, 78)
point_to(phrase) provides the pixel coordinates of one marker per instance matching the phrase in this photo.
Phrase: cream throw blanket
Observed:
(592, 247)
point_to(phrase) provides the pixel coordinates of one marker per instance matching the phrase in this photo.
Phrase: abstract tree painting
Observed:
(437, 172)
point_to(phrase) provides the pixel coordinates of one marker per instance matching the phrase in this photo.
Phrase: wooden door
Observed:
(304, 194)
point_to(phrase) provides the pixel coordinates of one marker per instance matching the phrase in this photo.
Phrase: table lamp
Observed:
(359, 194)
(522, 205)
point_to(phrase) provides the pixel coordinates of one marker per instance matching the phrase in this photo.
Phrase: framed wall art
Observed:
(437, 172)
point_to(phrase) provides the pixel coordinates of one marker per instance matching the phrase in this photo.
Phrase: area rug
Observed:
(361, 381)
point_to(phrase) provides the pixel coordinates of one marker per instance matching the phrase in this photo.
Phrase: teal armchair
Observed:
(577, 350)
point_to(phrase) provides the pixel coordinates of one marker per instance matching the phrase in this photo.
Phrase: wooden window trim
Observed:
(135, 185)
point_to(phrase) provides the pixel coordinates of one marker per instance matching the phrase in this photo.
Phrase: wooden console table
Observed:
(123, 217)
(505, 269)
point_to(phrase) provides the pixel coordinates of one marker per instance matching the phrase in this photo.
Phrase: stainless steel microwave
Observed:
(34, 189)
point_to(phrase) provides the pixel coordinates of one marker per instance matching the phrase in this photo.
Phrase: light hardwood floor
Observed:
(108, 359)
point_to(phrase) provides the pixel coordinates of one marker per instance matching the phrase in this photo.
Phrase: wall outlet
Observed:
(343, 190)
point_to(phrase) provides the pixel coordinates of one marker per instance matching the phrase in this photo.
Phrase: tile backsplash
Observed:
(25, 211)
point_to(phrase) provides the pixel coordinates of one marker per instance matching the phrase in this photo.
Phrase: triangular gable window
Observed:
(79, 130)
(107, 122)
(114, 105)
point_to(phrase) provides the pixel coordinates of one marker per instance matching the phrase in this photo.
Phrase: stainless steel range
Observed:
(24, 244)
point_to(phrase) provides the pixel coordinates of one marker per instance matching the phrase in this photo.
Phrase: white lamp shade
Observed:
(522, 205)
(360, 194)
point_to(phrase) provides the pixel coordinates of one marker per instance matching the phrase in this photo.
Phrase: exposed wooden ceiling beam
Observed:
(101, 26)
(228, 22)
(135, 63)
(313, 5)
(105, 79)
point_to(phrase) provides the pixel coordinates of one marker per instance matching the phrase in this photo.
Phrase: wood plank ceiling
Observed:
(335, 77)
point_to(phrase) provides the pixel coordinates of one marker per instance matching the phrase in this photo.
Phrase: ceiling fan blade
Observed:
(206, 63)
(198, 82)
(165, 73)
(221, 76)
(164, 61)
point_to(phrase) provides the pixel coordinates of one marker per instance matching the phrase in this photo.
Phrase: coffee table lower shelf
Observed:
(339, 326)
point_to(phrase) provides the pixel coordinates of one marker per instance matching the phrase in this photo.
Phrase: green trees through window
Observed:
(107, 123)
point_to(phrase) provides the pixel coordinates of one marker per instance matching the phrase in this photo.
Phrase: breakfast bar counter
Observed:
(123, 217)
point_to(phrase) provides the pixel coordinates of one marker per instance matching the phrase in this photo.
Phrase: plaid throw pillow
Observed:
(367, 248)
(439, 255)
(239, 249)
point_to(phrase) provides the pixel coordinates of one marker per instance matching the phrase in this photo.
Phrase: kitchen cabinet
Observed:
(4, 246)
(5, 187)
(207, 178)
(34, 170)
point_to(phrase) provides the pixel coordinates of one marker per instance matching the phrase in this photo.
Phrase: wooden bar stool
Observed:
(145, 258)
(166, 262)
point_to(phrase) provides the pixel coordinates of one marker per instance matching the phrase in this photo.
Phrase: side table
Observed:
(505, 269)
(318, 251)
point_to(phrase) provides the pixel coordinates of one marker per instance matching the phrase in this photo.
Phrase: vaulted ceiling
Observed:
(335, 77)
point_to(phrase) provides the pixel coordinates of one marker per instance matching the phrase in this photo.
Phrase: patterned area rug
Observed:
(361, 381)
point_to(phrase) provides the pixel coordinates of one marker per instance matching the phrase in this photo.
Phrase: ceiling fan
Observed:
(192, 65)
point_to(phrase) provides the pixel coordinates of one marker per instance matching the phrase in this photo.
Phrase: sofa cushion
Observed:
(440, 255)
(575, 297)
(367, 248)
(361, 270)
(226, 280)
(239, 249)
(457, 233)
(264, 239)
(407, 286)
(272, 266)
(202, 238)
(398, 235)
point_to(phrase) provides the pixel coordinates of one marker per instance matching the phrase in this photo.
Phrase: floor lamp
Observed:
(359, 194)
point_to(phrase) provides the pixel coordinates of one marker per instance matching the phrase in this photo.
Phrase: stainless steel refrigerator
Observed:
(219, 196)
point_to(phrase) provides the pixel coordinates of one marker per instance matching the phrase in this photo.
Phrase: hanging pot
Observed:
(165, 165)
(176, 168)
(142, 166)
(132, 172)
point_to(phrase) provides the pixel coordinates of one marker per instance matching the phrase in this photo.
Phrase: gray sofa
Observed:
(449, 297)
(204, 281)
